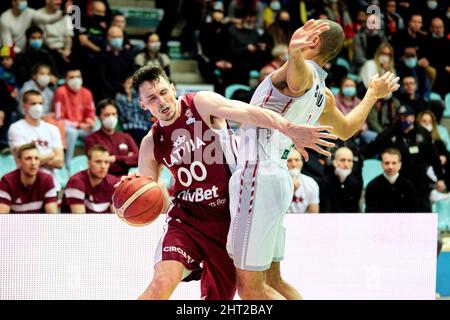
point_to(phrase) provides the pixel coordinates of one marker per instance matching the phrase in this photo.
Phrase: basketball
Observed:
(138, 201)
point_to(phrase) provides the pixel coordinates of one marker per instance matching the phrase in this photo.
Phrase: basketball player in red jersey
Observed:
(192, 140)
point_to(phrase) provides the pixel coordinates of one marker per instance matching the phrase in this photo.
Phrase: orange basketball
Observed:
(138, 201)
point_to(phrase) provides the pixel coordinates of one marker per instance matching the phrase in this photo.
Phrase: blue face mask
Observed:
(349, 91)
(275, 6)
(117, 43)
(36, 43)
(405, 124)
(22, 6)
(410, 62)
(432, 4)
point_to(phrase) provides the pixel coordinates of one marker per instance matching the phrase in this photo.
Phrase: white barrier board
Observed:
(339, 256)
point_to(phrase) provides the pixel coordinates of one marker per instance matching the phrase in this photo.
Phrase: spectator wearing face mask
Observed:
(16, 20)
(248, 49)
(306, 189)
(121, 146)
(113, 66)
(39, 82)
(417, 150)
(346, 100)
(431, 9)
(438, 51)
(409, 66)
(382, 62)
(35, 53)
(152, 54)
(74, 105)
(280, 30)
(391, 192)
(120, 21)
(32, 129)
(236, 7)
(270, 12)
(341, 189)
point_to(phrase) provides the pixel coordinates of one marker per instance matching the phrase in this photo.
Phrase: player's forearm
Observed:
(268, 119)
(356, 118)
(298, 73)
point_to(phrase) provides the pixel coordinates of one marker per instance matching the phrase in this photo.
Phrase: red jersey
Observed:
(27, 199)
(199, 159)
(79, 191)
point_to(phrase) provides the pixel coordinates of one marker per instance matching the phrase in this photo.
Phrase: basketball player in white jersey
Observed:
(261, 189)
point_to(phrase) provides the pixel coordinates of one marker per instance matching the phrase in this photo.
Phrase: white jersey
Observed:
(307, 193)
(266, 144)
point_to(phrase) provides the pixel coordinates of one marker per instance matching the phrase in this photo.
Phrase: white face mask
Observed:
(429, 127)
(43, 80)
(294, 172)
(391, 179)
(75, 84)
(384, 58)
(110, 122)
(36, 111)
(342, 173)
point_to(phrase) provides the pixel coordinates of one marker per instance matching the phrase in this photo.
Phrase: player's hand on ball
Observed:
(380, 87)
(306, 136)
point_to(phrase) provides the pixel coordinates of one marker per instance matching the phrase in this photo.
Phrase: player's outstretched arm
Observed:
(303, 136)
(346, 126)
(297, 74)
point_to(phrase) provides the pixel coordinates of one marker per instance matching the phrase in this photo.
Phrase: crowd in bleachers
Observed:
(68, 89)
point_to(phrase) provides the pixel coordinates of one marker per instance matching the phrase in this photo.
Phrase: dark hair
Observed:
(118, 14)
(393, 151)
(33, 29)
(96, 147)
(30, 93)
(37, 67)
(72, 68)
(25, 147)
(331, 41)
(104, 103)
(148, 74)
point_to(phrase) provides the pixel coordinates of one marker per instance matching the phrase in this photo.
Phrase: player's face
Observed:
(99, 164)
(391, 164)
(295, 161)
(29, 162)
(159, 98)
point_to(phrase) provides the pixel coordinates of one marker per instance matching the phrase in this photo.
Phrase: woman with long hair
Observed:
(382, 62)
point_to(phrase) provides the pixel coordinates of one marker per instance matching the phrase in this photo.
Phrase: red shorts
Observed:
(189, 245)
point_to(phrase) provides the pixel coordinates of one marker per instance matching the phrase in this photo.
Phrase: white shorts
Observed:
(260, 195)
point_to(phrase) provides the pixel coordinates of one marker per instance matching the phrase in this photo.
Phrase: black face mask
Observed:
(96, 19)
(285, 25)
(216, 25)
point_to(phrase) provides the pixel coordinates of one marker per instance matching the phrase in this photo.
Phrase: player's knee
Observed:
(249, 290)
(162, 285)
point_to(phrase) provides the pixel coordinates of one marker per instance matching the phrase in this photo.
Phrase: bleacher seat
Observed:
(343, 63)
(232, 88)
(443, 210)
(7, 164)
(78, 164)
(435, 96)
(370, 170)
(447, 106)
(185, 71)
(443, 133)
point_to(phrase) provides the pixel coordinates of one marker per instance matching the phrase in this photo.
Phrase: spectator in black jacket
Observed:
(417, 150)
(35, 53)
(340, 190)
(391, 192)
(113, 66)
